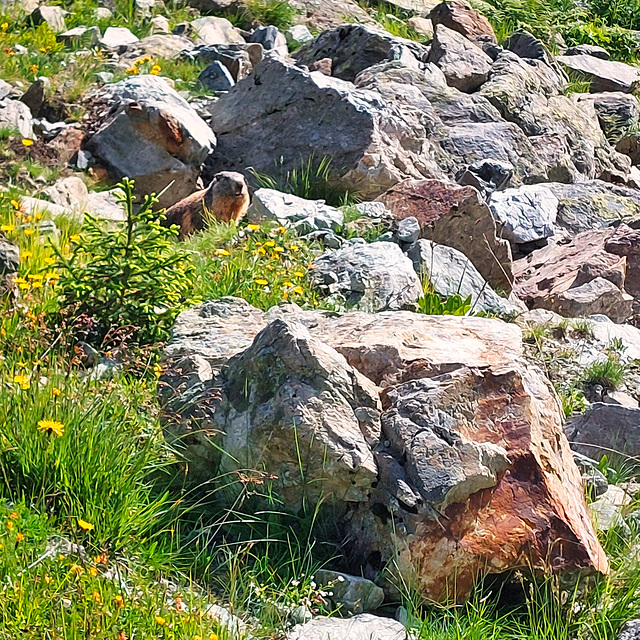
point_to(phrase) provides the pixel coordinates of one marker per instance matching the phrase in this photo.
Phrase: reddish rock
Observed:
(626, 242)
(544, 277)
(463, 18)
(457, 217)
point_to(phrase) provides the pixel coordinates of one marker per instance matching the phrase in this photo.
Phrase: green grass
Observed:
(609, 373)
(278, 13)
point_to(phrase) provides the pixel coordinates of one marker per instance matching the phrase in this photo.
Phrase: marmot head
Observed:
(229, 184)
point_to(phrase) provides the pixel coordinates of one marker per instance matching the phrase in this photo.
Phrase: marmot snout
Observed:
(225, 199)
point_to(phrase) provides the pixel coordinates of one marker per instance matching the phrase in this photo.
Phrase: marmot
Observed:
(225, 199)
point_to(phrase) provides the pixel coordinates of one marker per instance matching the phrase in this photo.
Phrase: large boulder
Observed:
(457, 217)
(604, 75)
(370, 277)
(361, 627)
(282, 114)
(432, 445)
(16, 115)
(149, 133)
(354, 48)
(465, 65)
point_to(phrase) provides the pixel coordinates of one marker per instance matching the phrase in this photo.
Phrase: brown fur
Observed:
(225, 199)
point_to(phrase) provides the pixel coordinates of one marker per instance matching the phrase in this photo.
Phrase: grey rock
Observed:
(160, 25)
(80, 35)
(351, 594)
(70, 193)
(486, 176)
(156, 46)
(461, 17)
(630, 630)
(607, 511)
(53, 16)
(298, 35)
(84, 159)
(362, 627)
(117, 39)
(596, 296)
(305, 216)
(212, 30)
(606, 429)
(235, 57)
(216, 77)
(526, 45)
(594, 204)
(35, 97)
(16, 115)
(451, 273)
(370, 277)
(588, 50)
(104, 77)
(152, 135)
(465, 65)
(106, 205)
(7, 91)
(331, 13)
(422, 26)
(354, 48)
(103, 13)
(621, 399)
(526, 214)
(408, 230)
(595, 482)
(375, 210)
(9, 258)
(270, 38)
(604, 75)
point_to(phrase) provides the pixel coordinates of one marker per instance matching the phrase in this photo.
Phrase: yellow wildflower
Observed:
(155, 70)
(119, 601)
(298, 290)
(4, 26)
(26, 254)
(294, 247)
(160, 620)
(157, 369)
(279, 249)
(83, 524)
(74, 238)
(270, 243)
(261, 251)
(132, 70)
(23, 381)
(77, 569)
(35, 276)
(34, 69)
(51, 426)
(19, 537)
(23, 286)
(15, 204)
(9, 525)
(96, 597)
(20, 280)
(29, 232)
(56, 392)
(47, 578)
(222, 252)
(26, 142)
(49, 260)
(299, 274)
(52, 275)
(288, 284)
(253, 227)
(8, 227)
(93, 572)
(261, 282)
(14, 515)
(282, 230)
(37, 284)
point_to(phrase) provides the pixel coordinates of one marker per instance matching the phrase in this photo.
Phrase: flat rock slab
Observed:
(605, 75)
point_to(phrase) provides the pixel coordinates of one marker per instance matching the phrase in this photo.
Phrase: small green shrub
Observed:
(609, 373)
(278, 13)
(573, 402)
(130, 275)
(432, 304)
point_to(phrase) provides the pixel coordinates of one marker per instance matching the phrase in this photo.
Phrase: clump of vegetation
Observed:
(131, 274)
(607, 373)
(278, 13)
(433, 304)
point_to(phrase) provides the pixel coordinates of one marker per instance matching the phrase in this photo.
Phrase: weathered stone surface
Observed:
(271, 39)
(304, 215)
(548, 273)
(212, 30)
(327, 14)
(588, 50)
(362, 627)
(422, 26)
(298, 35)
(53, 16)
(233, 625)
(70, 193)
(351, 594)
(607, 511)
(157, 46)
(235, 57)
(450, 272)
(604, 75)
(354, 48)
(369, 277)
(584, 206)
(16, 115)
(461, 17)
(9, 258)
(626, 242)
(117, 38)
(216, 77)
(606, 429)
(456, 217)
(630, 631)
(526, 214)
(452, 488)
(271, 119)
(565, 134)
(596, 296)
(465, 65)
(153, 136)
(595, 482)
